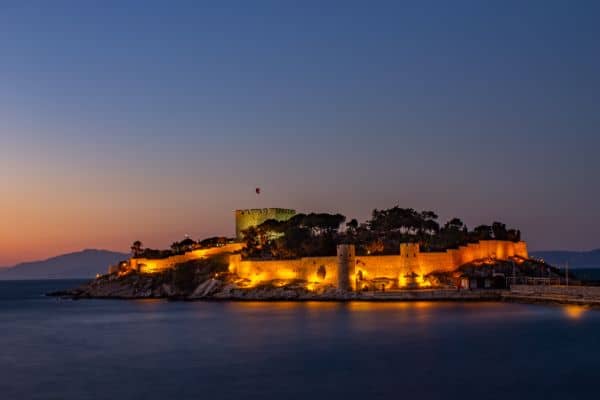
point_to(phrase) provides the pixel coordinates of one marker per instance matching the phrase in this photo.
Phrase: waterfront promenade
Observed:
(583, 295)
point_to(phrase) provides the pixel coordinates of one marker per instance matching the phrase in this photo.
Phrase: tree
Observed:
(300, 236)
(513, 235)
(404, 221)
(187, 244)
(353, 225)
(137, 248)
(318, 224)
(499, 230)
(214, 241)
(252, 240)
(351, 231)
(183, 246)
(454, 224)
(482, 232)
(175, 248)
(317, 234)
(428, 222)
(375, 247)
(453, 234)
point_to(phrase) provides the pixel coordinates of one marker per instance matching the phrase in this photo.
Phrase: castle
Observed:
(346, 270)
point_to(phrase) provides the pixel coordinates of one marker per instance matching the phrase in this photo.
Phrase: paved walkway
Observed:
(433, 294)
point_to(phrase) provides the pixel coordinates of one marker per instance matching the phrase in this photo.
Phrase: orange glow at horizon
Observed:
(44, 219)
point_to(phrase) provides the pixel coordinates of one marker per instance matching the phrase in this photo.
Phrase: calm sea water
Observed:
(105, 349)
(587, 274)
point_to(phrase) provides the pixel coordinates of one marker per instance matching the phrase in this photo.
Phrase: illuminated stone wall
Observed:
(398, 267)
(149, 266)
(302, 268)
(245, 219)
(381, 266)
(326, 270)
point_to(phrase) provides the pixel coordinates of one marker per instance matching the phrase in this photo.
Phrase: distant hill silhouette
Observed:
(82, 264)
(576, 259)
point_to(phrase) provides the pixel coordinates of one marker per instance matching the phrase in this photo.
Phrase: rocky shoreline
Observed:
(225, 287)
(228, 287)
(210, 280)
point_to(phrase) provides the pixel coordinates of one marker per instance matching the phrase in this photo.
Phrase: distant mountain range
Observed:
(576, 259)
(83, 264)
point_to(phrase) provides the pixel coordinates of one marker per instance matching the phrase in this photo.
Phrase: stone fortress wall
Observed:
(342, 270)
(151, 265)
(306, 269)
(245, 219)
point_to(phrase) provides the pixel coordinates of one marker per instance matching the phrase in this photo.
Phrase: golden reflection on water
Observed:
(358, 306)
(313, 308)
(421, 311)
(395, 305)
(271, 305)
(574, 311)
(366, 315)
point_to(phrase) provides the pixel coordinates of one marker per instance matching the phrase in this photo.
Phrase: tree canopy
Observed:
(300, 236)
(318, 234)
(306, 235)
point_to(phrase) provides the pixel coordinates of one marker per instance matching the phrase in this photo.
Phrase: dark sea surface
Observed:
(150, 349)
(587, 274)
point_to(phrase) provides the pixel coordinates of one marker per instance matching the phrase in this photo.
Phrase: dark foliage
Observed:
(306, 235)
(303, 235)
(155, 254)
(187, 276)
(183, 246)
(215, 241)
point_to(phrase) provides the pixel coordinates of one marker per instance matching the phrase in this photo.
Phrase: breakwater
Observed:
(585, 295)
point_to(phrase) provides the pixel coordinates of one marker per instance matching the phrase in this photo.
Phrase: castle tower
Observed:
(409, 254)
(346, 261)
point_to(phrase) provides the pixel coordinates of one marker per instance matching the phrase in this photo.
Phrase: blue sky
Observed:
(149, 120)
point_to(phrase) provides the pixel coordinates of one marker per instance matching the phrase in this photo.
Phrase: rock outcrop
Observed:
(223, 287)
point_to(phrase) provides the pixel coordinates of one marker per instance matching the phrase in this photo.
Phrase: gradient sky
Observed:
(150, 120)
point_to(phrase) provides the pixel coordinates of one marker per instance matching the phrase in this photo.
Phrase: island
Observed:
(398, 254)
